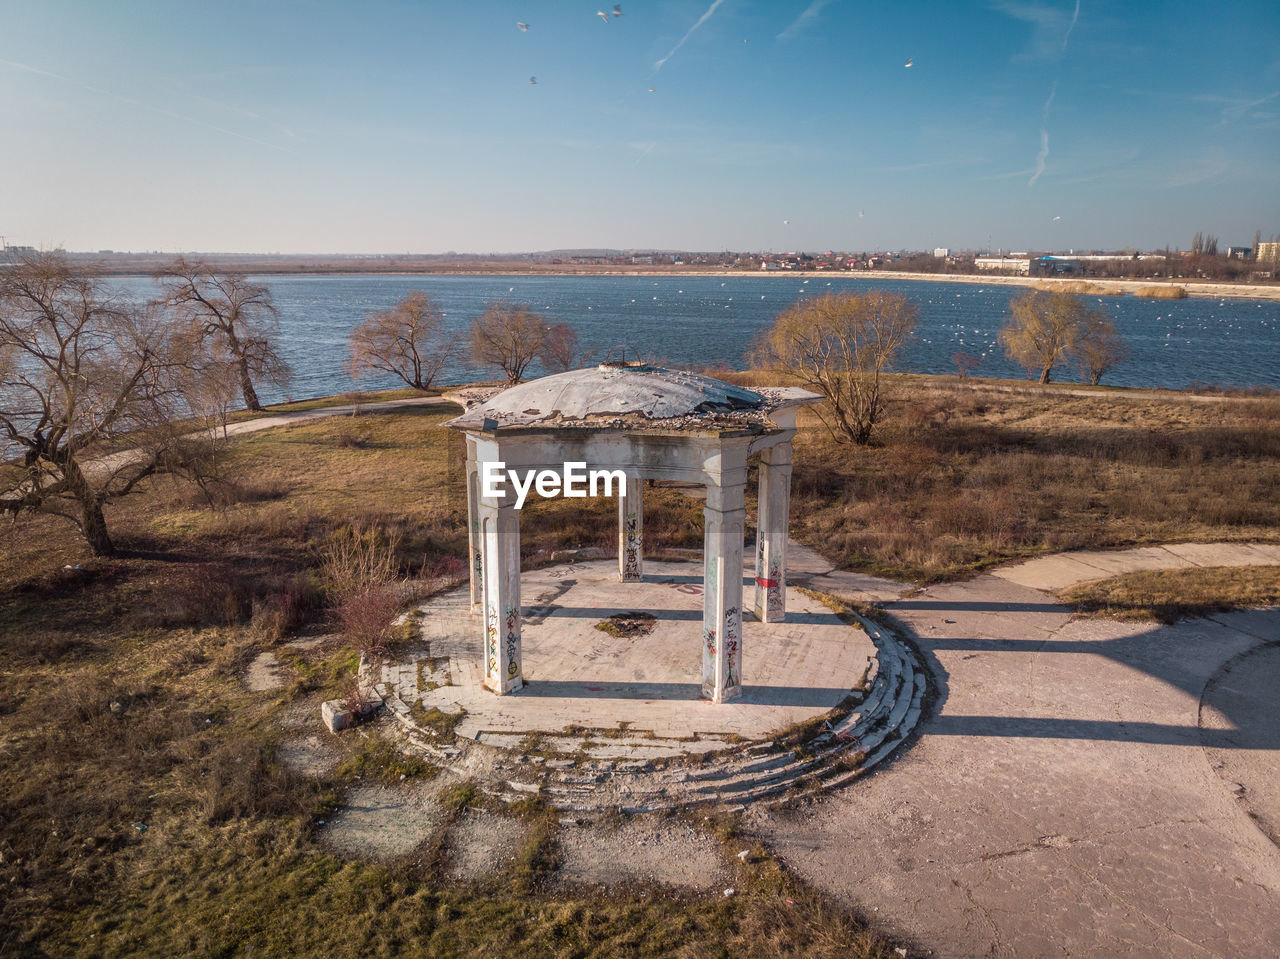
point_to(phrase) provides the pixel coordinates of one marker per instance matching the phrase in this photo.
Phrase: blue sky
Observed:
(412, 126)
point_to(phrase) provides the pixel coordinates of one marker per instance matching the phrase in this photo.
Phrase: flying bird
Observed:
(1056, 218)
(524, 27)
(859, 214)
(651, 89)
(602, 15)
(617, 9)
(533, 81)
(786, 222)
(909, 62)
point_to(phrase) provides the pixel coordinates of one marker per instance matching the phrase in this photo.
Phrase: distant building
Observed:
(1269, 253)
(647, 260)
(942, 252)
(1240, 252)
(1053, 266)
(1019, 266)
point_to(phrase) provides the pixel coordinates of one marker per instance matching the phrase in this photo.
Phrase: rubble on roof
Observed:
(624, 397)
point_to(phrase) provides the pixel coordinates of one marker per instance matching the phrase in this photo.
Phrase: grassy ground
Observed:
(1168, 595)
(965, 476)
(122, 704)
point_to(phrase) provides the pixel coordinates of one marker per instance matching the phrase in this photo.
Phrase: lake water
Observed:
(711, 321)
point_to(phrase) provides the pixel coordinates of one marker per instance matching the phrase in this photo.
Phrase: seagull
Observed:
(617, 9)
(909, 62)
(651, 89)
(602, 15)
(1056, 218)
(859, 214)
(786, 222)
(533, 81)
(524, 27)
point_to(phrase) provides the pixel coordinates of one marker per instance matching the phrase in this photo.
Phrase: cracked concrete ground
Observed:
(1064, 797)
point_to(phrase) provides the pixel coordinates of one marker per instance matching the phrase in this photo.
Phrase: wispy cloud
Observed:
(1043, 156)
(693, 29)
(1051, 26)
(1071, 26)
(799, 23)
(142, 104)
(1236, 109)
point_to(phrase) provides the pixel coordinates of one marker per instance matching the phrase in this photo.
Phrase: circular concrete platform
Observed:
(608, 723)
(581, 678)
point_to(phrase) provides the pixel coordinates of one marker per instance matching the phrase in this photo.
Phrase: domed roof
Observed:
(634, 391)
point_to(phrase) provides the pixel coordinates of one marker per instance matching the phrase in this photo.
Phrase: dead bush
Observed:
(366, 616)
(357, 557)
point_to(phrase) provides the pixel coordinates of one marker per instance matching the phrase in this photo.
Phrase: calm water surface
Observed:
(711, 321)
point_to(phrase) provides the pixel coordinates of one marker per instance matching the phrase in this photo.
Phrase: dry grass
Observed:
(144, 811)
(1168, 595)
(1162, 291)
(1081, 287)
(967, 477)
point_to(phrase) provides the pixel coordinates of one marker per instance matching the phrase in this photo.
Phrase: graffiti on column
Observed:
(631, 546)
(709, 638)
(513, 665)
(732, 633)
(774, 593)
(491, 642)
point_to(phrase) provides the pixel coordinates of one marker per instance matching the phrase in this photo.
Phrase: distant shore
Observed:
(1094, 285)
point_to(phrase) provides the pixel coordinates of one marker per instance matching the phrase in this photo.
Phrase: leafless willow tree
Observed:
(840, 345)
(229, 314)
(90, 389)
(1046, 329)
(1099, 347)
(407, 341)
(561, 353)
(510, 337)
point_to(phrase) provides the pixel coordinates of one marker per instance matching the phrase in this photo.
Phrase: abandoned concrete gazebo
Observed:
(649, 423)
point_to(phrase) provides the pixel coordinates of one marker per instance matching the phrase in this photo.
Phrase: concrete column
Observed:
(500, 539)
(725, 517)
(475, 561)
(771, 534)
(631, 532)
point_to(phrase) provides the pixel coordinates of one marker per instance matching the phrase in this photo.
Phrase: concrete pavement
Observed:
(1064, 797)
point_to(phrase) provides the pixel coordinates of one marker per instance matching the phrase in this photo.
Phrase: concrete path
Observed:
(1069, 795)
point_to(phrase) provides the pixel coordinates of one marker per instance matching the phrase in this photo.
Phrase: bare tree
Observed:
(965, 363)
(1042, 330)
(408, 341)
(510, 337)
(561, 354)
(230, 314)
(80, 374)
(1099, 347)
(839, 345)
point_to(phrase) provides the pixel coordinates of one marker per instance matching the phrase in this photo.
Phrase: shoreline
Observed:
(1098, 287)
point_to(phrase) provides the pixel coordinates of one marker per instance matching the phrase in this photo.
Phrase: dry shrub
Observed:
(286, 601)
(1162, 291)
(359, 556)
(366, 616)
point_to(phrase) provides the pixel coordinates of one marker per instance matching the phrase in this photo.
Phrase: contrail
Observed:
(1043, 155)
(1074, 17)
(146, 106)
(701, 20)
(802, 21)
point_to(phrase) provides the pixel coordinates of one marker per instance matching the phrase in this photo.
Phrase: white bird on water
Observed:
(524, 27)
